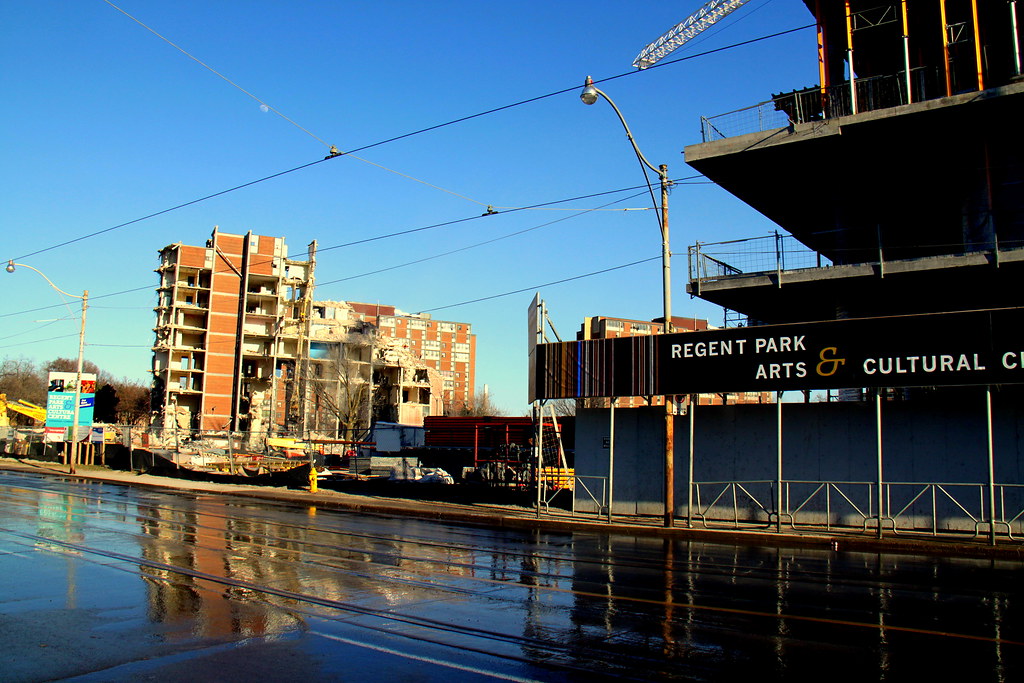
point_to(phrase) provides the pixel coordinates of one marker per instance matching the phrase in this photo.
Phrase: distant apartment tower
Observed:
(231, 321)
(603, 327)
(447, 346)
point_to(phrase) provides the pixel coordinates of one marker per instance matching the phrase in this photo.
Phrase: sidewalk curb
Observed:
(528, 521)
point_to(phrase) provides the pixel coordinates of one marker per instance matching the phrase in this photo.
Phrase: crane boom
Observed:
(37, 413)
(684, 31)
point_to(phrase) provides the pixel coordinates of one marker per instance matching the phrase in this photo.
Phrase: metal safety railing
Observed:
(709, 261)
(820, 104)
(930, 508)
(598, 498)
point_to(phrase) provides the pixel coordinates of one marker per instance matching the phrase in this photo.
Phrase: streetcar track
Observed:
(691, 568)
(695, 566)
(540, 583)
(574, 592)
(425, 623)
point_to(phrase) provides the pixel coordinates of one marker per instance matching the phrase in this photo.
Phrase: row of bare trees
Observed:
(340, 389)
(118, 401)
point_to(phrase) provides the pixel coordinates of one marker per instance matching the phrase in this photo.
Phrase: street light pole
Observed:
(81, 357)
(590, 95)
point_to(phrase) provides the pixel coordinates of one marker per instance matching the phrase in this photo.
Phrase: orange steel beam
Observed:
(906, 52)
(977, 44)
(945, 48)
(849, 58)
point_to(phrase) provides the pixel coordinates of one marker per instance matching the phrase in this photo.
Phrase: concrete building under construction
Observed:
(900, 187)
(898, 180)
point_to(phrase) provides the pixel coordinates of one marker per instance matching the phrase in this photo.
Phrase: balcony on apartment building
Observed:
(185, 383)
(259, 348)
(254, 368)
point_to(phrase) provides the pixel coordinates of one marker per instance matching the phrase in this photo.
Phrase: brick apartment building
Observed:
(241, 344)
(227, 326)
(447, 346)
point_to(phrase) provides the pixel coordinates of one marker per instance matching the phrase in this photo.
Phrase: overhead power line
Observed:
(96, 297)
(547, 284)
(475, 245)
(404, 136)
(428, 310)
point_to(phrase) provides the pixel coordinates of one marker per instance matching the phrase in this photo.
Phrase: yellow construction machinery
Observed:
(37, 413)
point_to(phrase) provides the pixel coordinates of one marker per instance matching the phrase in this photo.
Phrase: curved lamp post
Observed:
(11, 267)
(590, 95)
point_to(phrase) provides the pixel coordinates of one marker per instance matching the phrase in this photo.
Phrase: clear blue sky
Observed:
(105, 123)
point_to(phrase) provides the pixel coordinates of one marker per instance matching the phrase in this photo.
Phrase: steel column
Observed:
(878, 450)
(977, 45)
(991, 466)
(945, 48)
(611, 459)
(1016, 37)
(849, 59)
(538, 415)
(778, 458)
(689, 473)
(906, 52)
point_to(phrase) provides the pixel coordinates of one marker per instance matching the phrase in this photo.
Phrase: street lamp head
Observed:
(10, 266)
(590, 93)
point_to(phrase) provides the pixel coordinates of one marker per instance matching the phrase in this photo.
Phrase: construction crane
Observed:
(679, 34)
(37, 413)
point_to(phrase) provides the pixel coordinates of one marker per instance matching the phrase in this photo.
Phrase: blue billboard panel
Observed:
(60, 402)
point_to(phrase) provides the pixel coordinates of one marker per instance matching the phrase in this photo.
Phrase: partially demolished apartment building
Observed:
(242, 345)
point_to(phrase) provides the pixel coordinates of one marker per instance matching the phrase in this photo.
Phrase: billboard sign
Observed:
(60, 404)
(942, 349)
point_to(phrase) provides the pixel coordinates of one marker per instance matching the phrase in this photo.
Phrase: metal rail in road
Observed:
(107, 582)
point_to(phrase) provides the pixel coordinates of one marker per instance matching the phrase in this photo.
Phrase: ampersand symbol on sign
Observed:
(826, 361)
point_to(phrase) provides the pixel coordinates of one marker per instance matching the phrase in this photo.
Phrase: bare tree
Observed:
(340, 387)
(124, 401)
(133, 408)
(71, 365)
(22, 379)
(564, 407)
(480, 405)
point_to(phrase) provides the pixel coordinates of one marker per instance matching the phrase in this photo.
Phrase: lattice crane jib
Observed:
(710, 13)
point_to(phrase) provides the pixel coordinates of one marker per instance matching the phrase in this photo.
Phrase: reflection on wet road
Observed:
(105, 582)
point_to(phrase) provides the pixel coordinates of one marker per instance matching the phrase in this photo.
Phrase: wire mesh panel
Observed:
(711, 261)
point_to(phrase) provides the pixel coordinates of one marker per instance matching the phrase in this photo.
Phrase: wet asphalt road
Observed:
(101, 582)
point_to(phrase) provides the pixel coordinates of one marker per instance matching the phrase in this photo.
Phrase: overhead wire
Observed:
(38, 341)
(465, 248)
(209, 68)
(335, 154)
(663, 63)
(96, 297)
(265, 106)
(547, 284)
(473, 246)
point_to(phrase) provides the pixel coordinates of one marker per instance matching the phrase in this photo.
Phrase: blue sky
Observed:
(105, 123)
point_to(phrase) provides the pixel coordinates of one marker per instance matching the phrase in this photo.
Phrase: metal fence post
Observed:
(991, 467)
(878, 448)
(611, 459)
(689, 477)
(778, 456)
